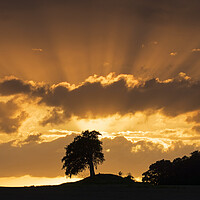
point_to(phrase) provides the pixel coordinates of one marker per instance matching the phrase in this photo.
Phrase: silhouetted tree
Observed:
(157, 173)
(181, 171)
(84, 152)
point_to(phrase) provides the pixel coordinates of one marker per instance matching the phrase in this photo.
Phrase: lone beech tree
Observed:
(84, 152)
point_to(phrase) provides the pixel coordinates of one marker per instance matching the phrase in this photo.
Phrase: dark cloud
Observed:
(170, 11)
(44, 160)
(33, 138)
(196, 129)
(145, 9)
(175, 97)
(93, 99)
(54, 117)
(9, 121)
(90, 99)
(194, 118)
(14, 86)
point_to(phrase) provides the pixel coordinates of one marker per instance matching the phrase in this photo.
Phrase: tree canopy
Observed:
(84, 152)
(181, 171)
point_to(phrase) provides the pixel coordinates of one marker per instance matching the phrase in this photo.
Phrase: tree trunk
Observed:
(92, 173)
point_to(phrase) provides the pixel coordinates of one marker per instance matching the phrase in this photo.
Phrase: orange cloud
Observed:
(37, 50)
(34, 159)
(196, 50)
(173, 53)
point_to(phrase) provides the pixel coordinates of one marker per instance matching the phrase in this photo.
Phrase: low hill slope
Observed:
(104, 179)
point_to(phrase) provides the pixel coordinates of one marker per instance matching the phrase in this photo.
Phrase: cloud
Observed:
(54, 117)
(10, 117)
(93, 99)
(194, 118)
(196, 129)
(106, 96)
(196, 50)
(44, 159)
(33, 138)
(37, 50)
(173, 53)
(12, 86)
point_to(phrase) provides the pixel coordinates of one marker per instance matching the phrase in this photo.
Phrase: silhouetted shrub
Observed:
(120, 173)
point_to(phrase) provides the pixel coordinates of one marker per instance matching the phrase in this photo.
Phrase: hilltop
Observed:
(103, 179)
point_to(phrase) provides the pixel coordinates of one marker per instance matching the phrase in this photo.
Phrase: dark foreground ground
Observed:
(95, 191)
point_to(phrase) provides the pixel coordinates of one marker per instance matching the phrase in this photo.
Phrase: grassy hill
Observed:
(103, 179)
(102, 186)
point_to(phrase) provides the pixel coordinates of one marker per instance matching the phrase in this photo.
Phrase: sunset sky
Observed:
(127, 68)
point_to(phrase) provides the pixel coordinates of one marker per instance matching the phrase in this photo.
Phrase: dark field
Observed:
(102, 192)
(102, 187)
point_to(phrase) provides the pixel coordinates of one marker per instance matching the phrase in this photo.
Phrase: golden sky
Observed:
(129, 69)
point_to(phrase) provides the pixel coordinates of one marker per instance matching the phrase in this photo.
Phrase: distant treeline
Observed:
(181, 171)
